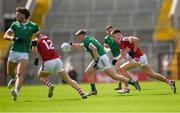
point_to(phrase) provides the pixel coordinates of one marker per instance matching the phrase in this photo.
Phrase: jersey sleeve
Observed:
(36, 28)
(12, 27)
(89, 46)
(105, 40)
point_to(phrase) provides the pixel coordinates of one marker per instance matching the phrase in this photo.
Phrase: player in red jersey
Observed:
(51, 64)
(130, 45)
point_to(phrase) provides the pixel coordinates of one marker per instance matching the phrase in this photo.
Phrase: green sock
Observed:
(131, 82)
(93, 87)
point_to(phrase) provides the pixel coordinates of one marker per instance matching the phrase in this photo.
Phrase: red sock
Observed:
(48, 83)
(80, 91)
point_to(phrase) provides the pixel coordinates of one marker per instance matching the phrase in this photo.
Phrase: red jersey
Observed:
(46, 49)
(125, 44)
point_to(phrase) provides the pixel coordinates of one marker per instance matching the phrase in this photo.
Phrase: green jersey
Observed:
(91, 40)
(113, 45)
(24, 31)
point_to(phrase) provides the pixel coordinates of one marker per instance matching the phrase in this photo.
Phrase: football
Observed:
(66, 47)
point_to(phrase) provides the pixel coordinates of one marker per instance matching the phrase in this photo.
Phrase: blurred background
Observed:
(155, 22)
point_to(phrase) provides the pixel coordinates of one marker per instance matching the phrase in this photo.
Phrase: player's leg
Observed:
(11, 66)
(73, 83)
(105, 65)
(43, 73)
(20, 77)
(110, 72)
(43, 77)
(149, 71)
(130, 75)
(89, 72)
(124, 71)
(119, 87)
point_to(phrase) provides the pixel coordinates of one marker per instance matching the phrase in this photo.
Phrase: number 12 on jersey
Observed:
(49, 44)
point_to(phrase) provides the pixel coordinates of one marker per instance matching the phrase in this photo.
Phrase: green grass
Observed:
(154, 97)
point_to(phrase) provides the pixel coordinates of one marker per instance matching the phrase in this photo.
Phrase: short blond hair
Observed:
(81, 32)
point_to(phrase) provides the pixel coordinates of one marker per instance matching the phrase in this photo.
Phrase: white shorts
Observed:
(127, 58)
(52, 66)
(16, 56)
(142, 61)
(104, 62)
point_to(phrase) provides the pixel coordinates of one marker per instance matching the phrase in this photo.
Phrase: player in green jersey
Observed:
(109, 42)
(100, 60)
(22, 31)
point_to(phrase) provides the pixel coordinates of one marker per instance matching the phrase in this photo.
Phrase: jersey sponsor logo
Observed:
(24, 27)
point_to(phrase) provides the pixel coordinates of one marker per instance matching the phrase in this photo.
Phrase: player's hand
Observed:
(66, 47)
(18, 39)
(132, 53)
(114, 62)
(95, 65)
(70, 43)
(36, 61)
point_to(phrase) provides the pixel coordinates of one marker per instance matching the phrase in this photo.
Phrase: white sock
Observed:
(17, 91)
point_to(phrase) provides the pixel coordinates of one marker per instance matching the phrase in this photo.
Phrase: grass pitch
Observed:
(154, 97)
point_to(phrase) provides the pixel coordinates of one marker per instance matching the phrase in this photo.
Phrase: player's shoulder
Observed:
(125, 38)
(32, 23)
(128, 38)
(15, 23)
(88, 38)
(44, 37)
(106, 37)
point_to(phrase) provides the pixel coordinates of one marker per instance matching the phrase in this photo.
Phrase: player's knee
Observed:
(41, 78)
(150, 74)
(122, 70)
(114, 77)
(20, 73)
(20, 76)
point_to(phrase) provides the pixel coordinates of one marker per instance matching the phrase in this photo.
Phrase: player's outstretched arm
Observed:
(77, 45)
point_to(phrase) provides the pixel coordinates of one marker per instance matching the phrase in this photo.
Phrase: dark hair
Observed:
(80, 32)
(109, 26)
(24, 11)
(115, 31)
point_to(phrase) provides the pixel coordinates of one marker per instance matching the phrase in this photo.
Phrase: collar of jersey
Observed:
(25, 23)
(85, 38)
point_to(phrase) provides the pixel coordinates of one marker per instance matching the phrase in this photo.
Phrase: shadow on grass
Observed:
(159, 94)
(127, 95)
(54, 100)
